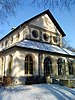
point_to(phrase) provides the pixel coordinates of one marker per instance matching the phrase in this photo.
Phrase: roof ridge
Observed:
(51, 17)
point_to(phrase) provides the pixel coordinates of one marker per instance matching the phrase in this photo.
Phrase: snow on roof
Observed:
(44, 46)
(69, 52)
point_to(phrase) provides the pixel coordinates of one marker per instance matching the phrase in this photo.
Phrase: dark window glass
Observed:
(61, 63)
(10, 65)
(46, 37)
(47, 66)
(55, 39)
(2, 44)
(6, 43)
(70, 66)
(17, 36)
(28, 65)
(26, 68)
(35, 34)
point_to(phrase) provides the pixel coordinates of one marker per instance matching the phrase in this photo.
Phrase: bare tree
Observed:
(66, 4)
(8, 9)
(66, 44)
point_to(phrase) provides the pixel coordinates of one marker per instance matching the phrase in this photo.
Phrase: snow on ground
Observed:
(37, 92)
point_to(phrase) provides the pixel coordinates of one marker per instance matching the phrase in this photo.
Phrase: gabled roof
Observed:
(40, 46)
(45, 12)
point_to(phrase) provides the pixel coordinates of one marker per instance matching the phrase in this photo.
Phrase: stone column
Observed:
(66, 67)
(35, 65)
(54, 67)
(1, 66)
(42, 65)
(74, 67)
(39, 64)
(7, 59)
(60, 40)
(4, 74)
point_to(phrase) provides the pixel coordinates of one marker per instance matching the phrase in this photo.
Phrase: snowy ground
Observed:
(37, 92)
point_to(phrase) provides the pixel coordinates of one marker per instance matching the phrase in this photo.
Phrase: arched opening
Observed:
(2, 65)
(28, 64)
(10, 65)
(47, 66)
(70, 67)
(61, 64)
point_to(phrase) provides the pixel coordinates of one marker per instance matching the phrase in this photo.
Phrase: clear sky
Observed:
(64, 18)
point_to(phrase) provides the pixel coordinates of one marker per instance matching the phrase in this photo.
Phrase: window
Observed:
(28, 65)
(55, 39)
(6, 42)
(61, 63)
(35, 34)
(70, 66)
(46, 37)
(47, 66)
(2, 45)
(10, 65)
(2, 65)
(17, 36)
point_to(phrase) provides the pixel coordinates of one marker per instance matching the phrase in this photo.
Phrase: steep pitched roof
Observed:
(45, 12)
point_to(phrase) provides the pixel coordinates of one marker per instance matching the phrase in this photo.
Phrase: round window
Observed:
(35, 33)
(55, 39)
(46, 37)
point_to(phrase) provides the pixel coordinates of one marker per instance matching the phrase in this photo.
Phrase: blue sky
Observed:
(64, 18)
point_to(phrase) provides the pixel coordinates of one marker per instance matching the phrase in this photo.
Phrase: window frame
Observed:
(61, 63)
(35, 33)
(45, 37)
(28, 65)
(70, 67)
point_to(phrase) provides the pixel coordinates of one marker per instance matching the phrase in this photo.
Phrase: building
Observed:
(34, 48)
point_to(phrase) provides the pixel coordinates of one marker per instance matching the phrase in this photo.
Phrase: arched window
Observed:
(61, 63)
(47, 66)
(70, 66)
(10, 65)
(28, 65)
(2, 65)
(2, 45)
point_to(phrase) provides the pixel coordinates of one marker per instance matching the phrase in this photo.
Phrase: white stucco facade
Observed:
(36, 43)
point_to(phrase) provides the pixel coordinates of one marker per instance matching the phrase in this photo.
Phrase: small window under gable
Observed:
(6, 43)
(35, 33)
(17, 36)
(46, 37)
